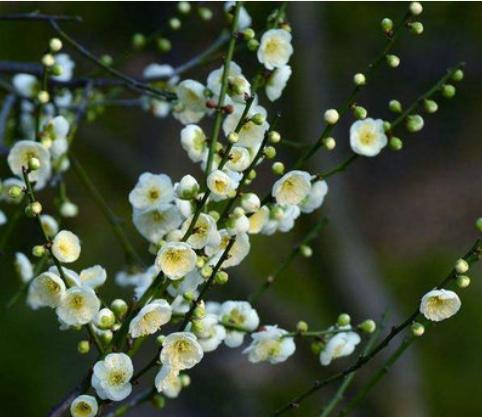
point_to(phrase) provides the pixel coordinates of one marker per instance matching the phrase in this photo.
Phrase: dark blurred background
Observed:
(397, 222)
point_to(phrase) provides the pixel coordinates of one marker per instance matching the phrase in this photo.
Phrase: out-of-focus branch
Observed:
(39, 17)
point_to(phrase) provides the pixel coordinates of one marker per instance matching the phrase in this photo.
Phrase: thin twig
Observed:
(36, 16)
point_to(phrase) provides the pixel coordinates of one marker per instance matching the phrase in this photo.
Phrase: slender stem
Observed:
(36, 16)
(224, 85)
(130, 253)
(472, 256)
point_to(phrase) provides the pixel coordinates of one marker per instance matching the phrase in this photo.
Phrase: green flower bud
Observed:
(458, 75)
(414, 123)
(278, 168)
(83, 347)
(463, 281)
(106, 336)
(249, 34)
(15, 192)
(478, 224)
(55, 44)
(329, 143)
(200, 261)
(185, 380)
(418, 329)
(33, 164)
(416, 28)
(360, 112)
(343, 319)
(393, 61)
(206, 271)
(395, 144)
(57, 70)
(174, 23)
(252, 174)
(233, 137)
(33, 209)
(395, 106)
(258, 119)
(104, 319)
(106, 60)
(205, 13)
(163, 44)
(253, 45)
(199, 311)
(302, 326)
(215, 215)
(277, 212)
(184, 7)
(43, 97)
(274, 137)
(430, 106)
(197, 326)
(269, 152)
(160, 339)
(387, 25)
(188, 296)
(221, 277)
(39, 251)
(306, 251)
(48, 60)
(359, 79)
(386, 126)
(368, 326)
(448, 90)
(461, 266)
(317, 347)
(158, 401)
(138, 40)
(119, 307)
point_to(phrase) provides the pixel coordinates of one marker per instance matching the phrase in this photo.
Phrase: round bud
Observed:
(185, 380)
(158, 401)
(360, 112)
(461, 266)
(83, 347)
(329, 143)
(15, 192)
(106, 336)
(306, 251)
(187, 188)
(463, 281)
(38, 251)
(104, 319)
(387, 25)
(200, 261)
(174, 23)
(233, 137)
(277, 212)
(415, 8)
(57, 70)
(430, 106)
(43, 97)
(317, 347)
(448, 90)
(55, 44)
(250, 202)
(458, 75)
(48, 60)
(395, 144)
(160, 339)
(238, 212)
(359, 79)
(188, 296)
(414, 123)
(119, 307)
(69, 209)
(249, 34)
(302, 326)
(269, 152)
(258, 119)
(274, 137)
(221, 278)
(395, 106)
(205, 13)
(197, 326)
(138, 40)
(278, 168)
(368, 326)
(215, 215)
(106, 60)
(206, 271)
(199, 311)
(393, 61)
(33, 164)
(416, 28)
(184, 7)
(478, 224)
(163, 44)
(331, 116)
(343, 319)
(252, 174)
(418, 329)
(386, 126)
(253, 45)
(33, 209)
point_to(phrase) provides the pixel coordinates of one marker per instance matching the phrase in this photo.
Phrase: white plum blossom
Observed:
(283, 220)
(275, 48)
(315, 198)
(292, 188)
(193, 141)
(168, 381)
(221, 184)
(84, 406)
(339, 345)
(26, 85)
(238, 317)
(151, 191)
(239, 85)
(111, 377)
(150, 318)
(191, 102)
(239, 159)
(23, 267)
(187, 188)
(438, 305)
(155, 223)
(212, 333)
(160, 72)
(176, 259)
(181, 350)
(93, 277)
(367, 137)
(244, 19)
(78, 306)
(277, 82)
(203, 233)
(66, 247)
(270, 344)
(250, 202)
(46, 290)
(67, 65)
(239, 250)
(258, 220)
(190, 283)
(49, 225)
(19, 157)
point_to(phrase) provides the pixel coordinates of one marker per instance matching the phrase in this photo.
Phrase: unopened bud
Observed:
(395, 106)
(343, 319)
(306, 251)
(39, 251)
(387, 25)
(302, 326)
(430, 106)
(368, 326)
(278, 168)
(396, 144)
(329, 143)
(414, 123)
(83, 347)
(331, 116)
(55, 44)
(461, 266)
(448, 90)
(274, 137)
(360, 112)
(359, 79)
(119, 307)
(463, 281)
(415, 8)
(418, 329)
(48, 60)
(393, 61)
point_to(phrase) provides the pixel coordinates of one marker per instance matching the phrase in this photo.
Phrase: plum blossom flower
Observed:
(438, 305)
(238, 317)
(275, 48)
(292, 188)
(151, 191)
(181, 350)
(46, 290)
(111, 377)
(150, 318)
(84, 406)
(212, 333)
(176, 259)
(193, 141)
(270, 344)
(78, 306)
(66, 247)
(339, 345)
(277, 82)
(367, 137)
(23, 267)
(156, 222)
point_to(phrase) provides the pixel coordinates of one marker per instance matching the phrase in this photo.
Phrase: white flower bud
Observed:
(331, 116)
(329, 143)
(418, 329)
(461, 266)
(250, 202)
(69, 209)
(43, 97)
(55, 44)
(415, 8)
(104, 319)
(359, 79)
(187, 188)
(48, 60)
